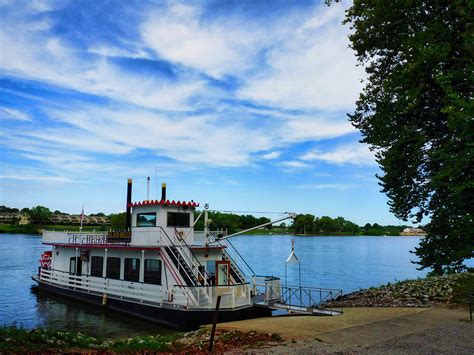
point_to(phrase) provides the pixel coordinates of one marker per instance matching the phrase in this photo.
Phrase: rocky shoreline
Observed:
(428, 292)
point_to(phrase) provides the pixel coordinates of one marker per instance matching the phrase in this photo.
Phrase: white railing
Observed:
(205, 297)
(199, 297)
(199, 236)
(120, 289)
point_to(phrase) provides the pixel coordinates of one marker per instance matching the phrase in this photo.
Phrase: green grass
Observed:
(464, 284)
(19, 340)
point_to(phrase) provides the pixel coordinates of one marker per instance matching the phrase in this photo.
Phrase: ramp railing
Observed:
(295, 297)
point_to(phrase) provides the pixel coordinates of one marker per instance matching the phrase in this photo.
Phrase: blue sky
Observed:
(241, 104)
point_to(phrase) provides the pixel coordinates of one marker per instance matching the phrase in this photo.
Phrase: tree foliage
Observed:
(229, 221)
(309, 224)
(416, 111)
(118, 221)
(40, 214)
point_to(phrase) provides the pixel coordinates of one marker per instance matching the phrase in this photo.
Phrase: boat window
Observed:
(132, 270)
(147, 219)
(113, 268)
(178, 219)
(97, 266)
(75, 266)
(152, 271)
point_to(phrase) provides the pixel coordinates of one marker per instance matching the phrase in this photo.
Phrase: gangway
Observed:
(269, 293)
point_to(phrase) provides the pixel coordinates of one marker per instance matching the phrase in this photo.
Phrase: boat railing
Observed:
(273, 292)
(199, 236)
(120, 289)
(205, 297)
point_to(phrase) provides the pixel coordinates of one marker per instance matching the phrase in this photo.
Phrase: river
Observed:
(347, 263)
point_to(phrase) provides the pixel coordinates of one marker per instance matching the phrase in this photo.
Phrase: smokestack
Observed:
(163, 191)
(129, 202)
(148, 188)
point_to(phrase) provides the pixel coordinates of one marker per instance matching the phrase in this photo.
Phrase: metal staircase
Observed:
(181, 265)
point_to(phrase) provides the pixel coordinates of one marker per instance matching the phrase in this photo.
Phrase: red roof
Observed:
(165, 203)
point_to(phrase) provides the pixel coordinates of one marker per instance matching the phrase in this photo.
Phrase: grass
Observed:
(18, 340)
(35, 229)
(465, 284)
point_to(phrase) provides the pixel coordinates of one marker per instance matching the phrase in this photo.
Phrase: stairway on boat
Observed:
(182, 266)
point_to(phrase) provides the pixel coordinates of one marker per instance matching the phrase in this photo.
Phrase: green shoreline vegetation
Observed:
(40, 217)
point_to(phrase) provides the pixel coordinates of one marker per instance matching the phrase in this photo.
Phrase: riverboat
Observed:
(159, 268)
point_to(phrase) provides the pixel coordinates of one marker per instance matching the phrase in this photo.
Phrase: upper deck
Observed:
(152, 237)
(150, 224)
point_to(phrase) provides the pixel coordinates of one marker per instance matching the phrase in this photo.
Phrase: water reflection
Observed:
(60, 313)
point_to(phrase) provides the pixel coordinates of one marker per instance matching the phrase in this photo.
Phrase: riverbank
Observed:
(428, 292)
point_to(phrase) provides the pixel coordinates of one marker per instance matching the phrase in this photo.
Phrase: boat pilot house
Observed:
(158, 268)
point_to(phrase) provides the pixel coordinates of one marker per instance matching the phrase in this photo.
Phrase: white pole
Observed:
(148, 188)
(206, 228)
(82, 217)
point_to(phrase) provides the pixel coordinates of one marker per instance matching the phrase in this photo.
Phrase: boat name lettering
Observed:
(87, 238)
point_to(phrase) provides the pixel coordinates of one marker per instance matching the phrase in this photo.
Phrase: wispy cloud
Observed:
(271, 155)
(13, 114)
(325, 186)
(357, 154)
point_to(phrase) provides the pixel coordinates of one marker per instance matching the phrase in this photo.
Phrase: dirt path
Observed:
(371, 330)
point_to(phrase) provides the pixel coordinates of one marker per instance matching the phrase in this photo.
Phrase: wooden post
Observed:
(216, 313)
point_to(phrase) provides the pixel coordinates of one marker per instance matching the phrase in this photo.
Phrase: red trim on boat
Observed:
(123, 247)
(163, 202)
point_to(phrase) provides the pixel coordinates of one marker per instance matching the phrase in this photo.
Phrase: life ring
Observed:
(45, 260)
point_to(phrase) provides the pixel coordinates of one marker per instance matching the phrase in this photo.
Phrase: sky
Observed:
(239, 104)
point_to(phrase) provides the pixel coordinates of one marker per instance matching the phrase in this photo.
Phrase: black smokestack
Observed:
(163, 191)
(128, 219)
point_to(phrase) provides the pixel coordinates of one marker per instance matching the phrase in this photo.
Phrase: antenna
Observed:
(148, 188)
(156, 181)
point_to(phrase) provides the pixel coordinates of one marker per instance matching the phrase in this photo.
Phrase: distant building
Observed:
(14, 217)
(413, 231)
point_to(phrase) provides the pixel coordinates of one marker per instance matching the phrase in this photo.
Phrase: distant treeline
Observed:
(312, 225)
(307, 224)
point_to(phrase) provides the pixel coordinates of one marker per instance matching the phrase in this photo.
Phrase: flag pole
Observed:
(82, 217)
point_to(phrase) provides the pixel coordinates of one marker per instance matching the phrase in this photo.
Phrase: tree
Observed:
(40, 214)
(118, 221)
(416, 113)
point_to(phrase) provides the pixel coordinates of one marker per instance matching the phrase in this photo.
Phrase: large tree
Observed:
(416, 112)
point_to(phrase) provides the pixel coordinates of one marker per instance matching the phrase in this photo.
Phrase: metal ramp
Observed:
(292, 309)
(301, 300)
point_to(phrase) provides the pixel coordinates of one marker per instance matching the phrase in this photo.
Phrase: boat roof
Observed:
(164, 203)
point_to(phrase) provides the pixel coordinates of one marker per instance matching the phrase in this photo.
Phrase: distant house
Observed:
(413, 231)
(14, 217)
(76, 219)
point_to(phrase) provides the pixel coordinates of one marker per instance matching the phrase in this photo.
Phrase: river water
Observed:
(346, 263)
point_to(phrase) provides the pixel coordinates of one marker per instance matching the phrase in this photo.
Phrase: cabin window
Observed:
(113, 268)
(75, 266)
(147, 219)
(152, 271)
(97, 266)
(132, 270)
(178, 219)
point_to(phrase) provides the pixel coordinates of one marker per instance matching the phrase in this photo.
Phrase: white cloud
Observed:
(312, 68)
(294, 164)
(49, 59)
(14, 114)
(180, 35)
(358, 154)
(271, 155)
(297, 129)
(325, 186)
